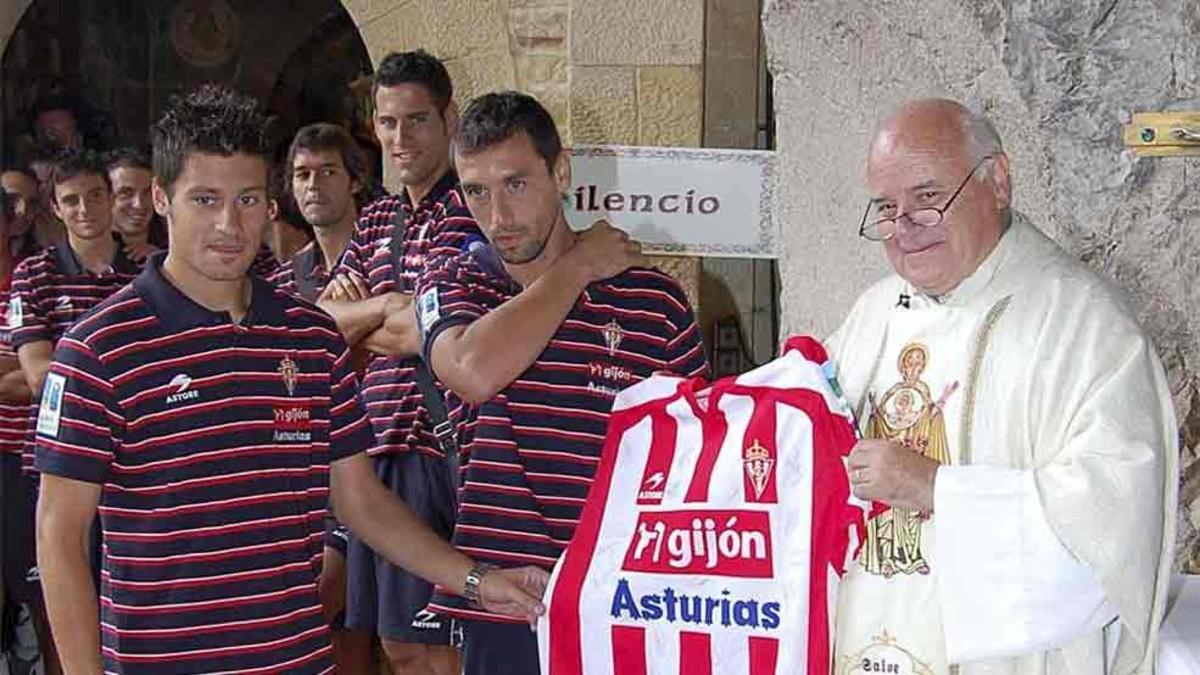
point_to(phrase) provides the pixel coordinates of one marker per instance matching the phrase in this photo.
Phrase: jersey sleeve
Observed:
(448, 295)
(684, 353)
(79, 420)
(349, 431)
(27, 319)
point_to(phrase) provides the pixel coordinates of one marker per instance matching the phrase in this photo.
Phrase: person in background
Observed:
(141, 231)
(287, 231)
(19, 581)
(31, 182)
(21, 187)
(323, 170)
(370, 297)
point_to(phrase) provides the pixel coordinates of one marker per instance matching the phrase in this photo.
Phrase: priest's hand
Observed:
(883, 471)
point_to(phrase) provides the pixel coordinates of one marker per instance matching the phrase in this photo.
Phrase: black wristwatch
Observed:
(474, 579)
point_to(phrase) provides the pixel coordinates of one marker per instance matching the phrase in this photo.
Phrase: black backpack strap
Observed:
(435, 405)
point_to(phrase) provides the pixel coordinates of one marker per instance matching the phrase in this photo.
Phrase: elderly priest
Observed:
(1016, 421)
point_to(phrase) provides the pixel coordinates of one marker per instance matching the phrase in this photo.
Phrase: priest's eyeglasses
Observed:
(885, 228)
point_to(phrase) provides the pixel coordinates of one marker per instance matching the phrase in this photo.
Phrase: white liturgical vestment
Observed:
(1048, 550)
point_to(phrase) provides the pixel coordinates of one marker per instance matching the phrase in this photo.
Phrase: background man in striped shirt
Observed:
(18, 565)
(324, 171)
(208, 417)
(537, 333)
(371, 300)
(54, 288)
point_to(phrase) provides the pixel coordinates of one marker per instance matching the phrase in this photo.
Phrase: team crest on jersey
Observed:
(613, 336)
(289, 370)
(759, 466)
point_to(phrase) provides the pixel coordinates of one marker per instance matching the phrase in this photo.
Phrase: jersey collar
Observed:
(437, 193)
(180, 312)
(68, 263)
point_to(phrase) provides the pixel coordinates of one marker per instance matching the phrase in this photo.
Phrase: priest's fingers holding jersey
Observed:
(888, 472)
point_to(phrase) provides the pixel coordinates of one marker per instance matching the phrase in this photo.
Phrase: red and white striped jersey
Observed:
(715, 533)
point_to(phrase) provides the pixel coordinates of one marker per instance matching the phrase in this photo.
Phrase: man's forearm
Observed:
(399, 334)
(66, 578)
(389, 527)
(356, 319)
(496, 348)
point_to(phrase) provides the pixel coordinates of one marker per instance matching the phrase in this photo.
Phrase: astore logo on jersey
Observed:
(182, 383)
(716, 543)
(652, 487)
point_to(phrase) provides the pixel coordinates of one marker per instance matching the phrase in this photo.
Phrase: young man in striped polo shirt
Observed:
(208, 418)
(134, 220)
(370, 299)
(323, 173)
(537, 333)
(53, 289)
(18, 565)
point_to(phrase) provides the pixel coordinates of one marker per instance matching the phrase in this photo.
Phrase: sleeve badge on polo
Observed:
(16, 312)
(429, 309)
(50, 411)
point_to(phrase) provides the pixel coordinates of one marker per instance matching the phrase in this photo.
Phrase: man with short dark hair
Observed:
(536, 333)
(134, 220)
(210, 418)
(53, 289)
(371, 298)
(20, 186)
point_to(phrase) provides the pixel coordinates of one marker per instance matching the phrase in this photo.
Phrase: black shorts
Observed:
(499, 649)
(18, 557)
(382, 598)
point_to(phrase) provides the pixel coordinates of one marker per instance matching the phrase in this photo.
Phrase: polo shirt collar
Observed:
(179, 312)
(308, 261)
(68, 263)
(445, 184)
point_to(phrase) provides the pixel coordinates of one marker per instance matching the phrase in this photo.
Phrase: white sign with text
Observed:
(681, 201)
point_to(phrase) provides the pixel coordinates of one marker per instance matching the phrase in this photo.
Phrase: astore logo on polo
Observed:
(182, 383)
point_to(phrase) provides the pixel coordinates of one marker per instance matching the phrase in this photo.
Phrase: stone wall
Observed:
(1059, 77)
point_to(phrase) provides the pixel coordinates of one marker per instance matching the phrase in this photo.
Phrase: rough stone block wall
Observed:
(1059, 77)
(637, 78)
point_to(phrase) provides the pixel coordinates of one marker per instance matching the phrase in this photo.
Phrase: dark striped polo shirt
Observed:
(50, 292)
(213, 443)
(440, 225)
(14, 415)
(535, 446)
(304, 275)
(264, 265)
